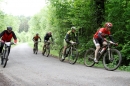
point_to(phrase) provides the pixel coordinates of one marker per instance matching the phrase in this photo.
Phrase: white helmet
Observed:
(73, 28)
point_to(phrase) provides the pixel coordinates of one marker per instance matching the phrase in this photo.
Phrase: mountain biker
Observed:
(70, 38)
(36, 38)
(99, 37)
(47, 37)
(6, 36)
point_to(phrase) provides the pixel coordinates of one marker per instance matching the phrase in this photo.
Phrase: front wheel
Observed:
(46, 50)
(113, 62)
(89, 57)
(73, 56)
(5, 58)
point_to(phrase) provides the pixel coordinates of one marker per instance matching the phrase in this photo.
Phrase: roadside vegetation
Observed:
(86, 15)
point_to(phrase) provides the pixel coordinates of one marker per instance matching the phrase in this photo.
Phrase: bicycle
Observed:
(5, 53)
(111, 57)
(46, 49)
(35, 49)
(71, 52)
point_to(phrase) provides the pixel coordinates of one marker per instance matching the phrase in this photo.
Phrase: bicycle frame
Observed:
(7, 45)
(107, 48)
(70, 47)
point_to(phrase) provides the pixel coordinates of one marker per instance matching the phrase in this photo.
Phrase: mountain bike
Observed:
(35, 49)
(5, 53)
(111, 57)
(71, 52)
(46, 49)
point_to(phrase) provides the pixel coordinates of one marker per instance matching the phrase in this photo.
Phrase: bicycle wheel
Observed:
(2, 57)
(36, 49)
(5, 58)
(115, 60)
(61, 54)
(73, 56)
(89, 57)
(43, 50)
(47, 51)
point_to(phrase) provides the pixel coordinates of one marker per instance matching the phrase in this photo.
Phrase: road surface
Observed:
(27, 69)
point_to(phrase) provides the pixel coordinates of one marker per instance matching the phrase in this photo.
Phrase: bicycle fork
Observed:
(109, 53)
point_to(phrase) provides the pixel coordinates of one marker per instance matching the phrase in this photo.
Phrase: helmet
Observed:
(108, 24)
(37, 34)
(49, 32)
(9, 28)
(73, 28)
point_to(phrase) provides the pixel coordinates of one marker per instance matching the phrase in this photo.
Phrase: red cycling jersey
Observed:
(103, 32)
(6, 36)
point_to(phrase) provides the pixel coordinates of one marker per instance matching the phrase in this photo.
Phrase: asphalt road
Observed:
(27, 69)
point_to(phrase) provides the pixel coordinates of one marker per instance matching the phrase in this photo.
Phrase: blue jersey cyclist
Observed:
(70, 38)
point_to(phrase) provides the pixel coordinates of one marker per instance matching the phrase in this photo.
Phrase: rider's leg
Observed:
(97, 45)
(1, 47)
(64, 49)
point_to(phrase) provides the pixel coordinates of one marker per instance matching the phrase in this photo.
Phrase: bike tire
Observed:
(61, 54)
(36, 49)
(43, 51)
(73, 56)
(89, 57)
(2, 57)
(115, 61)
(47, 52)
(5, 58)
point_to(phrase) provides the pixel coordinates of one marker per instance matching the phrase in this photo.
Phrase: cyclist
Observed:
(47, 37)
(99, 37)
(35, 39)
(6, 36)
(70, 38)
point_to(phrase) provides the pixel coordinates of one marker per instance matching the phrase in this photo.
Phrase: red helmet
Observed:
(108, 24)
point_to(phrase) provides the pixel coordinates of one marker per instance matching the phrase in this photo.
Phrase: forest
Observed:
(86, 15)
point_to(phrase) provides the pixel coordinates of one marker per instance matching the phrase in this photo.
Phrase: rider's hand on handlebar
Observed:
(2, 41)
(73, 43)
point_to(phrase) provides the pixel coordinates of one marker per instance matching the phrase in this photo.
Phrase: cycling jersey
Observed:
(100, 35)
(47, 36)
(35, 38)
(6, 36)
(103, 31)
(71, 36)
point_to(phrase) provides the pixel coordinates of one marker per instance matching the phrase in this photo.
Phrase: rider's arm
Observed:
(100, 36)
(2, 33)
(40, 38)
(14, 36)
(67, 38)
(52, 38)
(111, 38)
(76, 37)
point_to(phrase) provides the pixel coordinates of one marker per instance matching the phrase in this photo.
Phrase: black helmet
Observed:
(9, 28)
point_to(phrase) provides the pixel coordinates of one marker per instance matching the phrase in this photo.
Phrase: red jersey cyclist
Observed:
(99, 38)
(35, 39)
(6, 36)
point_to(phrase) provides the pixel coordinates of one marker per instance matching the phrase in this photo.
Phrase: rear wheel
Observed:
(47, 50)
(114, 61)
(73, 56)
(89, 57)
